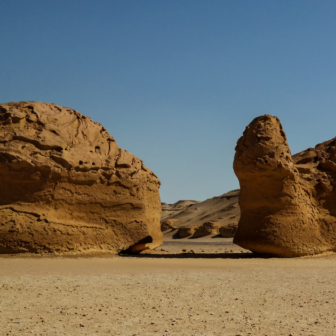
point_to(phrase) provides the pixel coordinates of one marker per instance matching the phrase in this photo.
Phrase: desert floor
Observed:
(169, 293)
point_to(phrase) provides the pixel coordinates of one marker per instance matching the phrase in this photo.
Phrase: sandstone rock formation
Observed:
(67, 186)
(288, 203)
(228, 231)
(206, 229)
(187, 231)
(168, 224)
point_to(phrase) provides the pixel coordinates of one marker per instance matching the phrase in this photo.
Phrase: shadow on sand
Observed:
(195, 255)
(176, 235)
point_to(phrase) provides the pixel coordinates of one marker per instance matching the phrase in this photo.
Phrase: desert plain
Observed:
(87, 247)
(217, 289)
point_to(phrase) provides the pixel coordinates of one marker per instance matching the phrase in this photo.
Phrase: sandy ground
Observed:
(168, 293)
(214, 245)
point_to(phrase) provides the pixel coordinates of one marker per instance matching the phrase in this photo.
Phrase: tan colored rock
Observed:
(228, 231)
(67, 186)
(168, 224)
(206, 229)
(287, 203)
(187, 231)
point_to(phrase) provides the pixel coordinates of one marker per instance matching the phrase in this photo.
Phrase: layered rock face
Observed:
(288, 203)
(65, 185)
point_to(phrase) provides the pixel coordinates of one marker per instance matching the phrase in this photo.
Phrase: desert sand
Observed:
(188, 286)
(169, 293)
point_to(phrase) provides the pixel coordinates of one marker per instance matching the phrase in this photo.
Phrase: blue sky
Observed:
(177, 81)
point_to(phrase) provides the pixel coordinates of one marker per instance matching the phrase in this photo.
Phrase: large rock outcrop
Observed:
(288, 203)
(65, 185)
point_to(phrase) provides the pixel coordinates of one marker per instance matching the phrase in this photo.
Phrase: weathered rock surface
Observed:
(288, 203)
(168, 224)
(67, 186)
(187, 231)
(228, 231)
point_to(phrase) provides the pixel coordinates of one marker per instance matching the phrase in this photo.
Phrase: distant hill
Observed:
(222, 209)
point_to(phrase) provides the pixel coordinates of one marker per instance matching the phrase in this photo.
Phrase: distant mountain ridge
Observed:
(223, 210)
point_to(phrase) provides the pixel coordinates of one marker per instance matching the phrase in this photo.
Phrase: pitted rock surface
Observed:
(66, 186)
(288, 203)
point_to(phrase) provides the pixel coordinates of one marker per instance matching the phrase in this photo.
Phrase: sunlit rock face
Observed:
(288, 203)
(66, 186)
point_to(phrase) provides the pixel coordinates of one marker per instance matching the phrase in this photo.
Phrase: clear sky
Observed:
(177, 81)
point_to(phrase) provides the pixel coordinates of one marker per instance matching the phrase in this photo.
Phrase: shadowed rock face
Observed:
(65, 185)
(288, 203)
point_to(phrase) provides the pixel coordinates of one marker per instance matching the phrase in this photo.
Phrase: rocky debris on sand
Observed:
(187, 231)
(287, 202)
(206, 229)
(229, 230)
(66, 186)
(168, 224)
